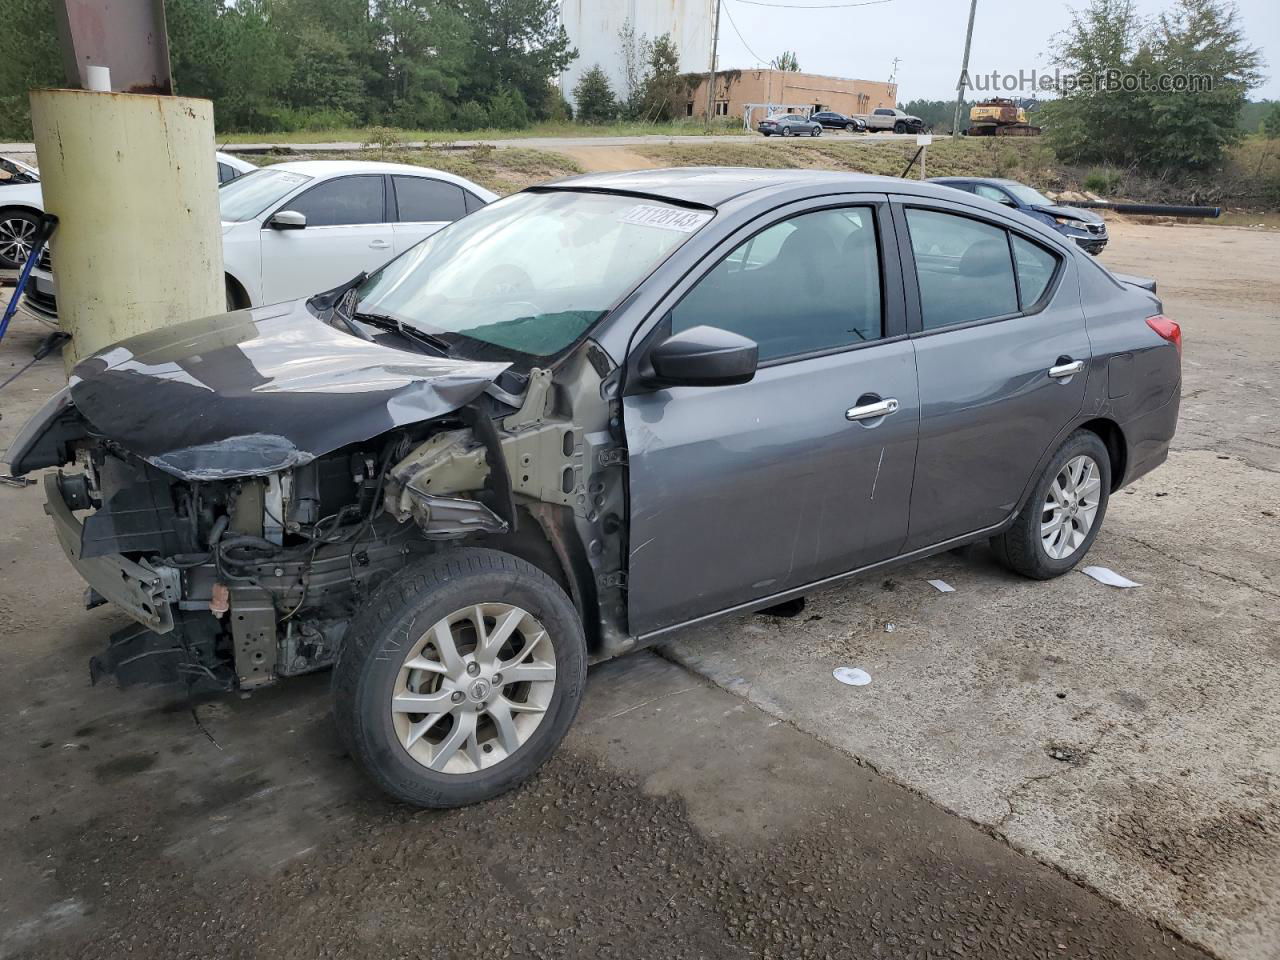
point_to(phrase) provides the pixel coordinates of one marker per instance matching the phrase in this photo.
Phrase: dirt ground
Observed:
(742, 804)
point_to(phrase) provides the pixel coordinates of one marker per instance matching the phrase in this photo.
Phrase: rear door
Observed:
(424, 205)
(1002, 355)
(742, 492)
(348, 230)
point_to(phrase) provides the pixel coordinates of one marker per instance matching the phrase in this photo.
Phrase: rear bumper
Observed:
(135, 588)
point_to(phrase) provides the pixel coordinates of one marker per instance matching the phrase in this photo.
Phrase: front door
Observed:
(346, 232)
(1002, 353)
(741, 492)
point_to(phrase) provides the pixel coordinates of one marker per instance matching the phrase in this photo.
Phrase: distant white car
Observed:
(297, 228)
(21, 203)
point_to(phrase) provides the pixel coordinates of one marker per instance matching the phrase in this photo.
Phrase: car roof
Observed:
(716, 186)
(1001, 181)
(334, 168)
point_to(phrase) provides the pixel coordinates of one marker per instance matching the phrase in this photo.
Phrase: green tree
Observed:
(1271, 123)
(594, 97)
(635, 53)
(1180, 128)
(663, 84)
(786, 60)
(29, 58)
(515, 43)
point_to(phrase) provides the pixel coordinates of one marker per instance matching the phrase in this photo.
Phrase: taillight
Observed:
(1167, 330)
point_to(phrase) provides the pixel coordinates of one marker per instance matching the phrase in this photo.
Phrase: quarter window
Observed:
(964, 269)
(342, 202)
(804, 285)
(421, 199)
(1035, 269)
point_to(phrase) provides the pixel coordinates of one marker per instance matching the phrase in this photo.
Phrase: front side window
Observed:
(345, 201)
(245, 197)
(991, 193)
(530, 273)
(423, 200)
(963, 266)
(808, 284)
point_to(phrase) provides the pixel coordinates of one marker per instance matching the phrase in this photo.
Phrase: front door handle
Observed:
(1063, 370)
(872, 411)
(378, 245)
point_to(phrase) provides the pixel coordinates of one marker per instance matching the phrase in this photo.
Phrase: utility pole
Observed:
(711, 70)
(964, 69)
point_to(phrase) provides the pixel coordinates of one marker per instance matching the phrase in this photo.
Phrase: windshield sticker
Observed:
(665, 218)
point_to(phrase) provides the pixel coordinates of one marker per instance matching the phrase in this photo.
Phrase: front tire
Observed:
(815, 132)
(899, 127)
(849, 128)
(459, 677)
(1064, 513)
(786, 131)
(17, 236)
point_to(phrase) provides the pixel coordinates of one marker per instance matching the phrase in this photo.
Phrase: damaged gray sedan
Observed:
(583, 417)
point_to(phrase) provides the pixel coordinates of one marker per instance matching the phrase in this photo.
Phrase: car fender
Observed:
(242, 257)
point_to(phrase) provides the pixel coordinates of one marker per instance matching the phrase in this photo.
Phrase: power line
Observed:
(813, 6)
(757, 56)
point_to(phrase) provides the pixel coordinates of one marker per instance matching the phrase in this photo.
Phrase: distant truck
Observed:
(999, 117)
(889, 118)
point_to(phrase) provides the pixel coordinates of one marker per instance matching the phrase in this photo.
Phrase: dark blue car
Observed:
(1085, 227)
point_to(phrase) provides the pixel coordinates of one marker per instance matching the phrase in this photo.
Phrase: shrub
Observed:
(594, 95)
(1103, 180)
(508, 111)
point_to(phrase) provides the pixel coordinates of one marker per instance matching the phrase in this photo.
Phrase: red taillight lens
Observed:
(1167, 329)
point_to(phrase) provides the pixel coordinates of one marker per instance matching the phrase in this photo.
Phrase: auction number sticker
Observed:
(665, 218)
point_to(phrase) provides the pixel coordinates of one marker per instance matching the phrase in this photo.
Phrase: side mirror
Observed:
(288, 220)
(703, 357)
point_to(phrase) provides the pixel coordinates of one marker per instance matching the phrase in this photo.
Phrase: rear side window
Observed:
(805, 285)
(964, 269)
(474, 203)
(342, 202)
(1036, 266)
(421, 199)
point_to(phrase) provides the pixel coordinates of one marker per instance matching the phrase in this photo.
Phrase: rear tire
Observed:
(1061, 519)
(478, 733)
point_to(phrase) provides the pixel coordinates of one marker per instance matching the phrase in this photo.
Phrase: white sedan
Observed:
(297, 228)
(22, 202)
(294, 229)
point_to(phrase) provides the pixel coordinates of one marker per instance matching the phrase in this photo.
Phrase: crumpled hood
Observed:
(256, 391)
(1074, 213)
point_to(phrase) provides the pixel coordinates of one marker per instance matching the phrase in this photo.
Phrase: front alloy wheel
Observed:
(459, 677)
(17, 238)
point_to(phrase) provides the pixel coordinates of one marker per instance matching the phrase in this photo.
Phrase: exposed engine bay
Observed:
(238, 580)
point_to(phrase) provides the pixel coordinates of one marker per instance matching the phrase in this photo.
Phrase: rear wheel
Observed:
(17, 237)
(459, 677)
(1062, 517)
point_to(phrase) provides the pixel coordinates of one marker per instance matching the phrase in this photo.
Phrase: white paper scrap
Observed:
(1109, 577)
(942, 586)
(851, 676)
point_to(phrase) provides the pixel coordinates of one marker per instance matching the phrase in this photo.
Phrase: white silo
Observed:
(593, 27)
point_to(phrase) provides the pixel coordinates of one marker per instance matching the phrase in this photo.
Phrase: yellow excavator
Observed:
(999, 117)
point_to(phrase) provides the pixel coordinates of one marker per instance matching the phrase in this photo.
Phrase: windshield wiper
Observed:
(384, 322)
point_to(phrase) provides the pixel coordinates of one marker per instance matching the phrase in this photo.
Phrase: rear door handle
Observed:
(1063, 370)
(872, 411)
(378, 245)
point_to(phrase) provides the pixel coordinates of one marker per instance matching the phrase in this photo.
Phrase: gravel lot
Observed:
(750, 806)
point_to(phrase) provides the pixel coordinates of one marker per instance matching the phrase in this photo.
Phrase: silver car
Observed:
(584, 417)
(790, 125)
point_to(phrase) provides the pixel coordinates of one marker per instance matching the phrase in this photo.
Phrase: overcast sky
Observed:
(928, 37)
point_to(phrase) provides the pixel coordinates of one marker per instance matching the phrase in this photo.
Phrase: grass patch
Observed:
(364, 135)
(500, 170)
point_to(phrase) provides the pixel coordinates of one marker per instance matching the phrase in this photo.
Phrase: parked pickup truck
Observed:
(889, 118)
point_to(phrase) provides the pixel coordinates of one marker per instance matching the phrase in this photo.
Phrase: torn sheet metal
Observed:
(256, 391)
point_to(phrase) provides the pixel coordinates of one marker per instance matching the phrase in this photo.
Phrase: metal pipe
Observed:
(1151, 209)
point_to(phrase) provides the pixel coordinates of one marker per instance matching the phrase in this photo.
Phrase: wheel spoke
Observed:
(422, 663)
(421, 727)
(532, 672)
(422, 702)
(487, 652)
(442, 635)
(1089, 489)
(464, 725)
(505, 724)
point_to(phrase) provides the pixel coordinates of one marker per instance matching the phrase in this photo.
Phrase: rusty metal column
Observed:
(131, 175)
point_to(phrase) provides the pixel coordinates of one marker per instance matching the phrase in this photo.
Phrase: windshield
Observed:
(1028, 195)
(530, 273)
(245, 197)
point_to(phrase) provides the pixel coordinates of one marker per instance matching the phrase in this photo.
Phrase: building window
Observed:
(722, 108)
(688, 109)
